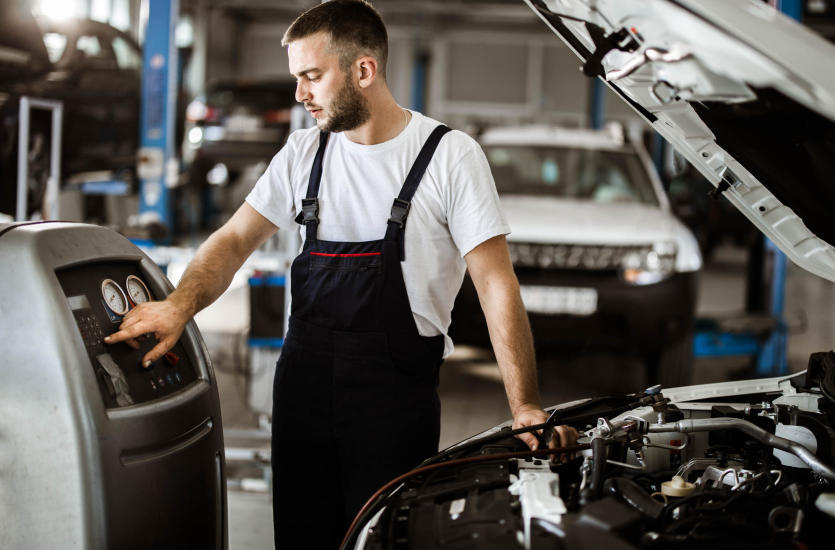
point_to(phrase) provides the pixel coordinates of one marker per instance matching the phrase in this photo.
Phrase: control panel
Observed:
(100, 295)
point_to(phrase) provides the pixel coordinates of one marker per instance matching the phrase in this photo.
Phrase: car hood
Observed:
(744, 93)
(564, 221)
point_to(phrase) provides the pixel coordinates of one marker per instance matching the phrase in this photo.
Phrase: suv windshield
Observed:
(571, 173)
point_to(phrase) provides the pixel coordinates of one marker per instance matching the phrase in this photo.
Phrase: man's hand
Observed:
(531, 415)
(165, 320)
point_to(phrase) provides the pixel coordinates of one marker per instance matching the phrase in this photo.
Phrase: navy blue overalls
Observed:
(355, 399)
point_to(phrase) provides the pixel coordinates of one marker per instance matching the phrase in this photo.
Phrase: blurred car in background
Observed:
(23, 63)
(235, 125)
(601, 260)
(95, 70)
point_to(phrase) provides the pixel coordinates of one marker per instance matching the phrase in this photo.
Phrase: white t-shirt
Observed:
(455, 208)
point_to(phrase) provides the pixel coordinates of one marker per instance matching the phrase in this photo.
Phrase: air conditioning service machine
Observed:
(97, 452)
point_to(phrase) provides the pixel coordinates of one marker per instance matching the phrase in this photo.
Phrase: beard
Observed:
(349, 109)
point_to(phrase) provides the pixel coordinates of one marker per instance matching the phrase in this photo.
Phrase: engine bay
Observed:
(733, 470)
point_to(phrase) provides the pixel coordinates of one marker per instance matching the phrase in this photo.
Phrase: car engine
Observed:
(717, 465)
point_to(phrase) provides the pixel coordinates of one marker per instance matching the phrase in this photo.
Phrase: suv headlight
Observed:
(650, 265)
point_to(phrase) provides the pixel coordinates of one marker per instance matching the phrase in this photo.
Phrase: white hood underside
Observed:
(715, 50)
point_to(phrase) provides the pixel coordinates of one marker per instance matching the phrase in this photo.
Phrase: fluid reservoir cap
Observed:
(677, 487)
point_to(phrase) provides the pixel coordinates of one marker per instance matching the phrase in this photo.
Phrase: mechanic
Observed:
(355, 398)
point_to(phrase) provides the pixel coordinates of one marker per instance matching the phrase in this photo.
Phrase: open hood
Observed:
(743, 92)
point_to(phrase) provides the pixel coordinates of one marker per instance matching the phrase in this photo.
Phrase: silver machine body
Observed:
(97, 452)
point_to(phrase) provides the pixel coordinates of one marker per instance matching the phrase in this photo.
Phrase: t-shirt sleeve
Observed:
(272, 196)
(474, 213)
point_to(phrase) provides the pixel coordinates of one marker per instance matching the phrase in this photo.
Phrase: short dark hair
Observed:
(355, 28)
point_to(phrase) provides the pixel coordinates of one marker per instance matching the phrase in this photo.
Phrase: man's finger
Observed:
(128, 322)
(529, 440)
(156, 352)
(125, 334)
(567, 436)
(554, 439)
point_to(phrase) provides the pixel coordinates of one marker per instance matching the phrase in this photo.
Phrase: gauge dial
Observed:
(137, 291)
(114, 297)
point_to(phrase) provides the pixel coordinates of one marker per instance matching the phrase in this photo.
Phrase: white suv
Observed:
(601, 260)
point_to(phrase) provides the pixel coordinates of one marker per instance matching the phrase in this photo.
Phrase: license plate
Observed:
(559, 299)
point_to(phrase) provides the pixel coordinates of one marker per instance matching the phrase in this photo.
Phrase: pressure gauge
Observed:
(137, 291)
(114, 297)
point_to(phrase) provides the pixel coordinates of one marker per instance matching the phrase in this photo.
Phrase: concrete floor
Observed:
(471, 391)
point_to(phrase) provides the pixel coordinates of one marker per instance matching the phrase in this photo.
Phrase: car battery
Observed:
(268, 318)
(97, 452)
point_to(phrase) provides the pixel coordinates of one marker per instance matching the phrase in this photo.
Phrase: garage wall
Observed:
(488, 78)
(222, 52)
(262, 56)
(474, 78)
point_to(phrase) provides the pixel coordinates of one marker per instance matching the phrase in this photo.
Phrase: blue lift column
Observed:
(770, 352)
(157, 168)
(597, 103)
(772, 356)
(421, 61)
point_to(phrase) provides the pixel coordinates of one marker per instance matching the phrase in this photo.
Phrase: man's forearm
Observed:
(510, 335)
(498, 291)
(209, 274)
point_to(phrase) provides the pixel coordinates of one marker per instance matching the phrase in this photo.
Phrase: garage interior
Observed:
(473, 64)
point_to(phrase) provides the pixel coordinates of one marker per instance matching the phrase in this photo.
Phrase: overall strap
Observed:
(309, 216)
(402, 204)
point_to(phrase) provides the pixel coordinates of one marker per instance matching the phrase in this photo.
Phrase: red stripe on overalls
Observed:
(346, 255)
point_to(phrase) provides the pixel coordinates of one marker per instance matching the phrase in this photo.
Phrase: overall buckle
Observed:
(399, 212)
(310, 210)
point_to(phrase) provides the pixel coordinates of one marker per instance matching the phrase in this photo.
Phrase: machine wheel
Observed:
(672, 365)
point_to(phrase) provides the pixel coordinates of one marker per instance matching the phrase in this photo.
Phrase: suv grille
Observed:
(569, 256)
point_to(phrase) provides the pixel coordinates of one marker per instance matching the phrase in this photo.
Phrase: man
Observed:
(355, 400)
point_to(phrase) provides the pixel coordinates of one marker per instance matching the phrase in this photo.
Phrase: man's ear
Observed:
(367, 71)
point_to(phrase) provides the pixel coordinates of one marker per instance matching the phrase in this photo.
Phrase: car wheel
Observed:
(672, 365)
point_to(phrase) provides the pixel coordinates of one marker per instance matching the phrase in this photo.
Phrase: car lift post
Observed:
(772, 356)
(597, 103)
(157, 166)
(53, 183)
(421, 62)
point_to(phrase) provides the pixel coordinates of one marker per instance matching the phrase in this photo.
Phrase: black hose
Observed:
(504, 433)
(634, 495)
(568, 415)
(594, 489)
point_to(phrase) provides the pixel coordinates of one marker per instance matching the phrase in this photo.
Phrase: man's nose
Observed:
(302, 92)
